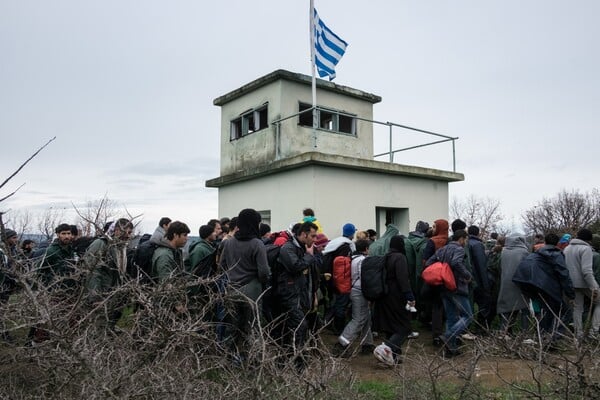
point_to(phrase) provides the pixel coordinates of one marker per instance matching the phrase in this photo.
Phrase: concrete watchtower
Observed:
(273, 161)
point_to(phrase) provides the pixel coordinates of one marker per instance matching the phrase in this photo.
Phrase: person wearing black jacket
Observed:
(297, 282)
(482, 292)
(543, 276)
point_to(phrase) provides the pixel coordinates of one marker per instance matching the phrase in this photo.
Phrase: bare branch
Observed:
(25, 163)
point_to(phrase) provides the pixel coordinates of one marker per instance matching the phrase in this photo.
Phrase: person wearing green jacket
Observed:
(58, 262)
(106, 260)
(202, 248)
(167, 260)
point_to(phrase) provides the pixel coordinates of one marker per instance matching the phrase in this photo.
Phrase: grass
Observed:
(376, 390)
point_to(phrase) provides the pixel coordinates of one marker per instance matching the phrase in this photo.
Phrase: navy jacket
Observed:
(544, 271)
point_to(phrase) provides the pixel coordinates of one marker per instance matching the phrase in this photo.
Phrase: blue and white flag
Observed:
(329, 48)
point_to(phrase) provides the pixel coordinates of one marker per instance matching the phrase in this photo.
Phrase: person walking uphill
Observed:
(391, 316)
(456, 304)
(244, 260)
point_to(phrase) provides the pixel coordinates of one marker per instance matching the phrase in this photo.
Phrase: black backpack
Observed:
(206, 267)
(143, 259)
(272, 256)
(373, 275)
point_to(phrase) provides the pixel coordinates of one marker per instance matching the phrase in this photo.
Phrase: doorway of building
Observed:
(396, 216)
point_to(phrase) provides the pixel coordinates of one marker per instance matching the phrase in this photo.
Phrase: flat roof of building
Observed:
(295, 77)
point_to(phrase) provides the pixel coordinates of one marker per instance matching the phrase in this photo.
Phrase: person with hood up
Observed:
(510, 299)
(391, 317)
(244, 260)
(543, 276)
(381, 246)
(430, 296)
(579, 260)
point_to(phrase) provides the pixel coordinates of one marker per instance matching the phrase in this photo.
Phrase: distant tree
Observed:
(49, 219)
(95, 214)
(481, 211)
(568, 212)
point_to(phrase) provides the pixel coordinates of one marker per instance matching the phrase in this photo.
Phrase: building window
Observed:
(249, 122)
(330, 120)
(265, 216)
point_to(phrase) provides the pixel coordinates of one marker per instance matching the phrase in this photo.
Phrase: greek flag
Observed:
(329, 48)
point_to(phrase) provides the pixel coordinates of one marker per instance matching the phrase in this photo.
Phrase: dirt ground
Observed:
(489, 362)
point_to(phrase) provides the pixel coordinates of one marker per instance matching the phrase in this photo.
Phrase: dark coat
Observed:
(454, 254)
(390, 314)
(297, 280)
(479, 263)
(544, 271)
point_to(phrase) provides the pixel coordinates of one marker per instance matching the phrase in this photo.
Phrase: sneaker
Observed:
(413, 335)
(384, 354)
(529, 341)
(468, 336)
(438, 342)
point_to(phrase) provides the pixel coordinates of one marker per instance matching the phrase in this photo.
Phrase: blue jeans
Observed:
(458, 317)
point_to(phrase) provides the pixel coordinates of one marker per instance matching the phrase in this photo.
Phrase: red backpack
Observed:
(342, 274)
(439, 273)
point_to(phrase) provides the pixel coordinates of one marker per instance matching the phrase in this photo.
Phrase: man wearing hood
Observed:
(511, 301)
(543, 276)
(167, 260)
(578, 257)
(244, 260)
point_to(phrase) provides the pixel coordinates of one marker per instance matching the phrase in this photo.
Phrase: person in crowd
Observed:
(538, 241)
(10, 259)
(340, 246)
(482, 291)
(297, 283)
(201, 248)
(264, 231)
(457, 306)
(511, 302)
(564, 241)
(167, 260)
(372, 235)
(415, 245)
(431, 300)
(158, 236)
(27, 247)
(359, 326)
(579, 260)
(308, 215)
(381, 246)
(543, 277)
(391, 317)
(57, 274)
(106, 261)
(244, 260)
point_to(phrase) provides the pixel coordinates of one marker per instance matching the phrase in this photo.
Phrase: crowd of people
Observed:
(504, 285)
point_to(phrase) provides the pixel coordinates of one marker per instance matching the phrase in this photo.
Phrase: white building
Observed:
(273, 161)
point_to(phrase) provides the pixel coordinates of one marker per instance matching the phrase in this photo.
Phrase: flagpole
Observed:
(313, 68)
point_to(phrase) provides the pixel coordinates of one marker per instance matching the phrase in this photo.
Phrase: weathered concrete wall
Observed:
(283, 97)
(338, 196)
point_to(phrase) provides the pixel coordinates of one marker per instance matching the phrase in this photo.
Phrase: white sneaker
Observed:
(468, 336)
(529, 341)
(384, 354)
(413, 335)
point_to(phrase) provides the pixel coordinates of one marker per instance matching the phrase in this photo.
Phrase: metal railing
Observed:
(391, 125)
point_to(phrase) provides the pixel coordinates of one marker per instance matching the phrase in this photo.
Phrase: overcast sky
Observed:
(127, 89)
